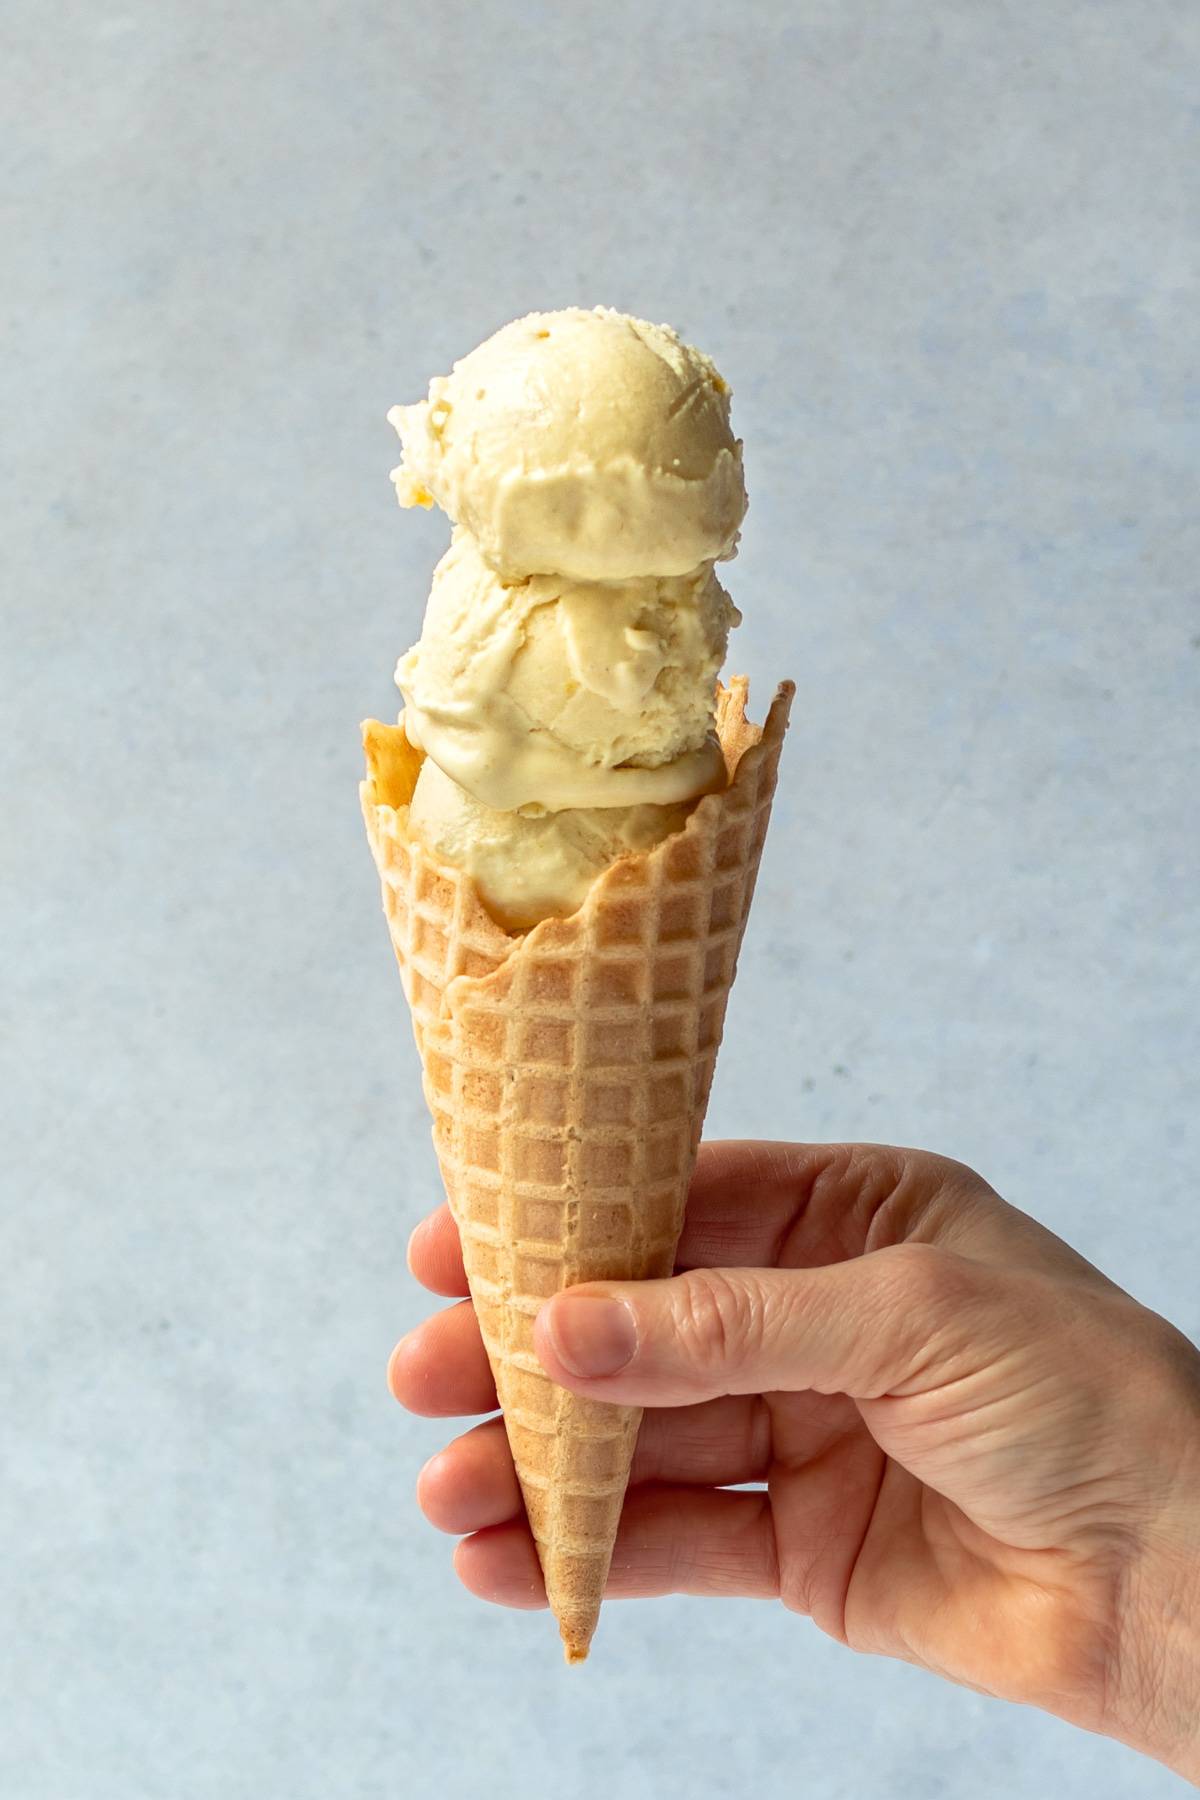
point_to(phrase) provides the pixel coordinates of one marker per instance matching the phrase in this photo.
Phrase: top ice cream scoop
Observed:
(591, 445)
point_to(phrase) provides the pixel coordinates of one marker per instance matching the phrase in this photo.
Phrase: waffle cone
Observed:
(567, 1070)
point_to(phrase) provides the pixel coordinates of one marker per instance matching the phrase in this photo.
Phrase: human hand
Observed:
(979, 1454)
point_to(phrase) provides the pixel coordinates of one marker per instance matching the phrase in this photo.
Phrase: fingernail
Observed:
(430, 1464)
(591, 1335)
(393, 1359)
(413, 1235)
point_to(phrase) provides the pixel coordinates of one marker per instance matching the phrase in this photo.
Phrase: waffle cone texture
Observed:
(567, 1069)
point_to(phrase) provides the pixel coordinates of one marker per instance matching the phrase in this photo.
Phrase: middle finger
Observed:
(472, 1483)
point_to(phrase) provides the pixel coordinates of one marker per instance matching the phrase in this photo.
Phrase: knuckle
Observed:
(950, 1172)
(1170, 1359)
(924, 1277)
(718, 1316)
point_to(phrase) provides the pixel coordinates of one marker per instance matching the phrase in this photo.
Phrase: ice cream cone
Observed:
(567, 1070)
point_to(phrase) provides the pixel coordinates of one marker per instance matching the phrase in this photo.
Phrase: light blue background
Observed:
(946, 253)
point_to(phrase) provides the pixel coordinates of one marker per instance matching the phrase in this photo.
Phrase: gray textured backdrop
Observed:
(946, 253)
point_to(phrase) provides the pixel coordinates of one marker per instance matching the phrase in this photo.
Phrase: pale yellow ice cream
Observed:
(589, 444)
(564, 684)
(566, 693)
(530, 867)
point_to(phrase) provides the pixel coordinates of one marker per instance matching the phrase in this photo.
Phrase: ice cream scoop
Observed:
(565, 693)
(590, 444)
(526, 867)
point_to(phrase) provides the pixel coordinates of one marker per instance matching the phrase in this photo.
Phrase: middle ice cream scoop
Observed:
(560, 693)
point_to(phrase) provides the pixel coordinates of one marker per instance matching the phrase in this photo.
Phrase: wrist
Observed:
(1155, 1706)
(1154, 1698)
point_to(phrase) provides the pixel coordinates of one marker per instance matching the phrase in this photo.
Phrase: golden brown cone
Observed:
(567, 1069)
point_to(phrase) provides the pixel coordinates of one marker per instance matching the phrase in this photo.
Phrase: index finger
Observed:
(756, 1204)
(749, 1203)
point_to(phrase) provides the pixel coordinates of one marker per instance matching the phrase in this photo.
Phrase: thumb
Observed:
(882, 1323)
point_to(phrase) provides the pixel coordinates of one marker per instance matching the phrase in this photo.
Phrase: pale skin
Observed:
(976, 1452)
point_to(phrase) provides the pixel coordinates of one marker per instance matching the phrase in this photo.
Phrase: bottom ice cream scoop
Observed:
(531, 867)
